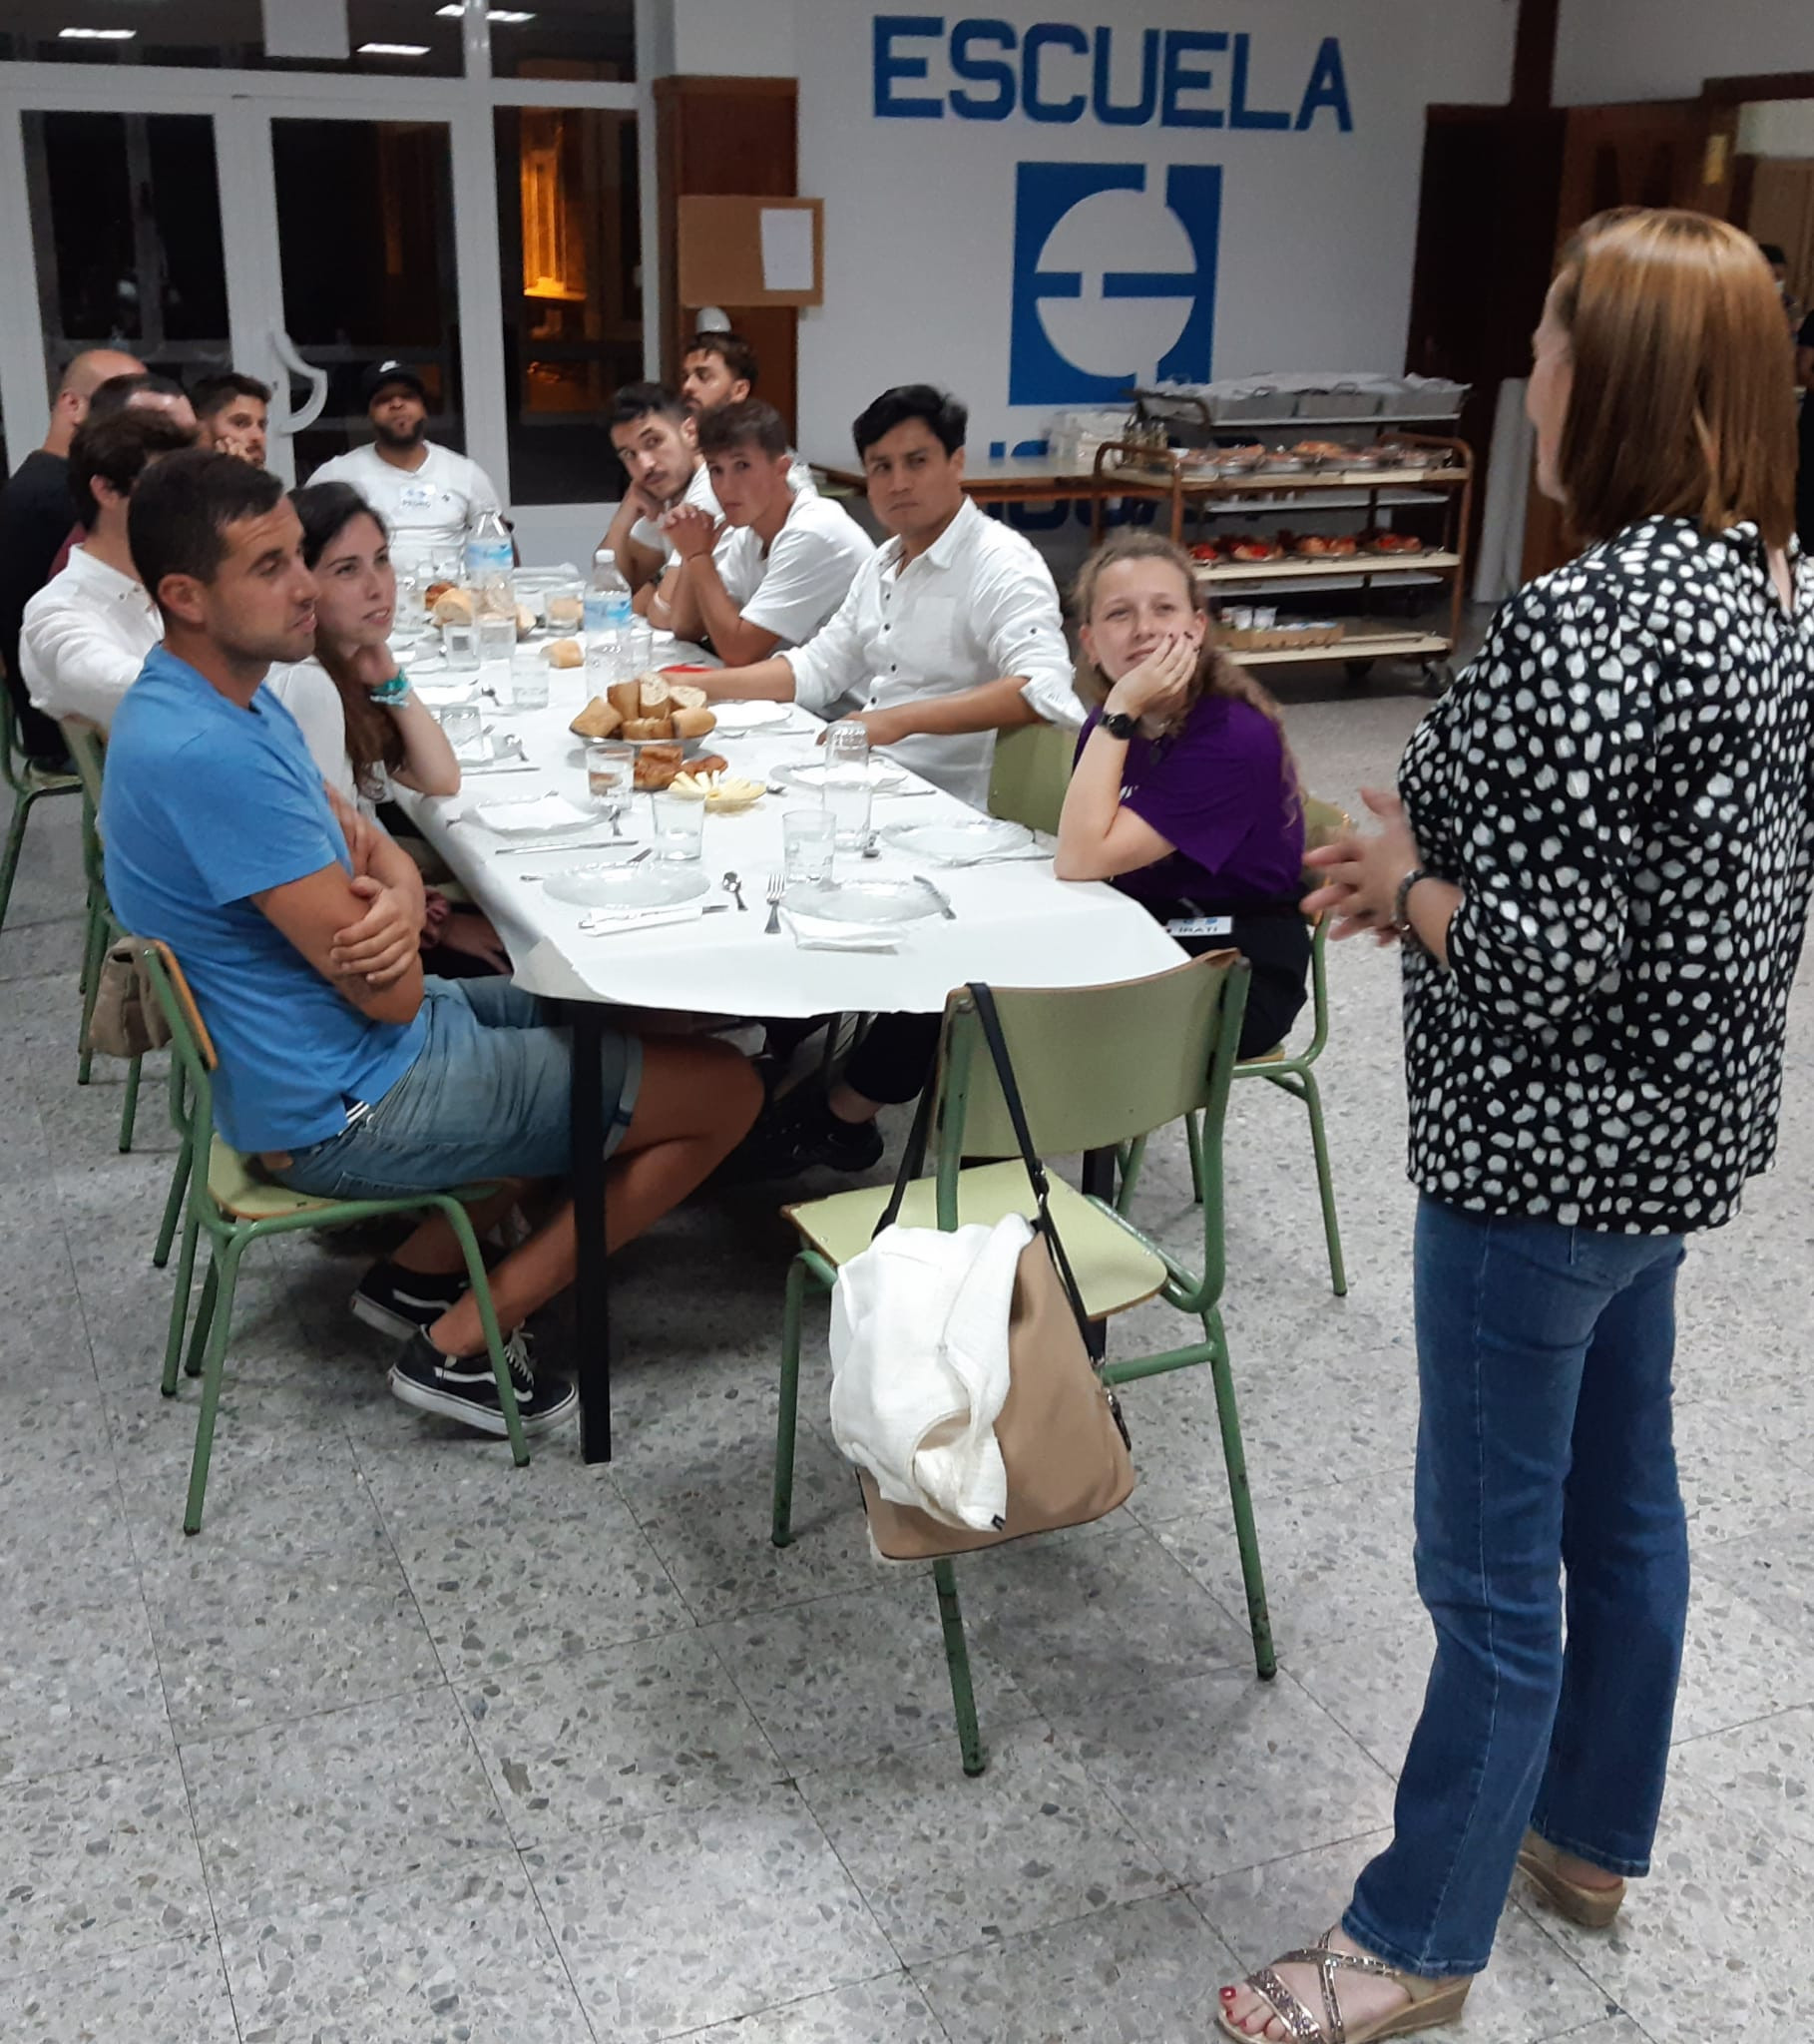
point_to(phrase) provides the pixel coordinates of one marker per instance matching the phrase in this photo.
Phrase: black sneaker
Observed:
(464, 1387)
(403, 1303)
(797, 1132)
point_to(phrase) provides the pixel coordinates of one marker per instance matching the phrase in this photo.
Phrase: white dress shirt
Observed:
(795, 585)
(978, 604)
(428, 508)
(84, 638)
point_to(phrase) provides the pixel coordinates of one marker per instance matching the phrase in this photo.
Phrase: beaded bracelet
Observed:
(393, 692)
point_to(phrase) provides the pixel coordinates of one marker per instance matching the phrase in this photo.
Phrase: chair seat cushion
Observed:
(238, 1189)
(1275, 1056)
(1115, 1269)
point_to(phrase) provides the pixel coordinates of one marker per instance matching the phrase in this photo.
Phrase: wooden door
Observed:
(1781, 209)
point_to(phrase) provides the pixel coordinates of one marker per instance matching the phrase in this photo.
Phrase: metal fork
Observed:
(777, 886)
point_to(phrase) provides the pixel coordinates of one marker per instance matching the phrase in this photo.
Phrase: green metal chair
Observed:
(28, 786)
(1291, 1072)
(234, 1208)
(1032, 769)
(88, 748)
(1097, 1067)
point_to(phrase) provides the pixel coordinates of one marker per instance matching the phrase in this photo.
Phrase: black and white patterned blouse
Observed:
(1623, 784)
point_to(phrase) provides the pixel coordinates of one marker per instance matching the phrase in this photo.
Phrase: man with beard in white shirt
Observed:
(658, 445)
(427, 494)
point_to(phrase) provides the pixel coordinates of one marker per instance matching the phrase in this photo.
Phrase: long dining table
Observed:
(1012, 922)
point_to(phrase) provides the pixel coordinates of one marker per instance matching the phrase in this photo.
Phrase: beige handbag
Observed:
(1063, 1440)
(127, 1021)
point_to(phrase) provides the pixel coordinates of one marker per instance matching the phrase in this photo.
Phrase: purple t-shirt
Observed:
(1217, 790)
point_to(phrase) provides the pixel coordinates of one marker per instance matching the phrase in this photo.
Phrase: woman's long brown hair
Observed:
(1217, 674)
(375, 744)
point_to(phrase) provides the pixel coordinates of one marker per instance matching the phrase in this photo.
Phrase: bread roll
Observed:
(433, 594)
(644, 727)
(597, 721)
(625, 699)
(693, 724)
(563, 653)
(454, 607)
(685, 695)
(565, 612)
(657, 766)
(656, 699)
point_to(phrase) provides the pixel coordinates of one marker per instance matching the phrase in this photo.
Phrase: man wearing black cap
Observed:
(427, 494)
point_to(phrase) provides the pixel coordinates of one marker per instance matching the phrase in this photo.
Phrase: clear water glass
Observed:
(528, 685)
(680, 827)
(460, 646)
(846, 748)
(465, 729)
(637, 654)
(807, 841)
(497, 637)
(610, 772)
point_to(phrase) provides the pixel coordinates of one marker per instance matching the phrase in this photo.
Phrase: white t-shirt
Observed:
(646, 533)
(794, 586)
(307, 691)
(428, 508)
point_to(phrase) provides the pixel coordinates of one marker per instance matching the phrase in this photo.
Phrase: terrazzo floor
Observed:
(410, 1745)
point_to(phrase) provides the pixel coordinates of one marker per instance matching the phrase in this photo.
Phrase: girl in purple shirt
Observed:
(1184, 794)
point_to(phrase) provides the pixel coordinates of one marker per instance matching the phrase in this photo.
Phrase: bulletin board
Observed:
(740, 249)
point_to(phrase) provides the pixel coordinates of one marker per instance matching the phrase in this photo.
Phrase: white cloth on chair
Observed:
(919, 1359)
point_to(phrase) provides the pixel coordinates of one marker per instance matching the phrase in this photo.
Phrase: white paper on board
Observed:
(788, 248)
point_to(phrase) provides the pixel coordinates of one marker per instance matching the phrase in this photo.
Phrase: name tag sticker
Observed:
(415, 496)
(1200, 926)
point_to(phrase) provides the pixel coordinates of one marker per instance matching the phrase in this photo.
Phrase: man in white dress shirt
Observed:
(781, 562)
(425, 493)
(951, 631)
(85, 635)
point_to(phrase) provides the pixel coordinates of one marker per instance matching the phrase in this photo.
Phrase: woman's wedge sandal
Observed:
(1592, 1909)
(1432, 2001)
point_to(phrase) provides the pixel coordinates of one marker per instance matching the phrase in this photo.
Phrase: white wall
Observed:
(1317, 226)
(1662, 49)
(733, 38)
(1777, 128)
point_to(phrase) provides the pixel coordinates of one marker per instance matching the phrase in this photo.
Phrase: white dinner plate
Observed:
(958, 841)
(735, 718)
(871, 902)
(883, 778)
(533, 815)
(605, 885)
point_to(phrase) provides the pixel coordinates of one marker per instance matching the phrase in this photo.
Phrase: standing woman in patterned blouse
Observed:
(1600, 870)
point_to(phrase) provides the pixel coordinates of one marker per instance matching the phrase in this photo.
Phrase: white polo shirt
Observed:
(427, 509)
(698, 491)
(84, 638)
(978, 604)
(796, 583)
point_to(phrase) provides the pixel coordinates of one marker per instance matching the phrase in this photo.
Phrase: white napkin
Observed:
(533, 816)
(817, 933)
(607, 922)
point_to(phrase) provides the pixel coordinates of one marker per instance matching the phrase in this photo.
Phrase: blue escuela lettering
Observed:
(1328, 87)
(1140, 112)
(982, 70)
(1182, 77)
(1240, 114)
(1058, 36)
(891, 66)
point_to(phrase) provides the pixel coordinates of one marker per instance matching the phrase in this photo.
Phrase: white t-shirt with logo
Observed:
(798, 583)
(428, 508)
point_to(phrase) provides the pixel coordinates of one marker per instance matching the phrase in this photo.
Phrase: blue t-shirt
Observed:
(205, 804)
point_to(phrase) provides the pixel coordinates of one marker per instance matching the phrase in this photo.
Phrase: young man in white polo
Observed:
(781, 561)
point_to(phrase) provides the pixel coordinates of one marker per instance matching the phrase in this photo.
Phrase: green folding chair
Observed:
(1097, 1067)
(1291, 1072)
(28, 786)
(1030, 771)
(233, 1207)
(88, 748)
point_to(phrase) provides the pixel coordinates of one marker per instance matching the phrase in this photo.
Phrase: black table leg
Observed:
(592, 1284)
(1100, 1167)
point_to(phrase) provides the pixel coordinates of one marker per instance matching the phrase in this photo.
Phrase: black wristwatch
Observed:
(1119, 725)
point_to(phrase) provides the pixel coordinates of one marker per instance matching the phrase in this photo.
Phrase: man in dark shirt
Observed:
(35, 515)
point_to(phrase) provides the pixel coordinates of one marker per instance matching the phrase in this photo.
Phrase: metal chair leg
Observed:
(179, 1295)
(94, 951)
(461, 1223)
(957, 1662)
(1325, 1185)
(173, 1212)
(1194, 1148)
(129, 1106)
(15, 839)
(1240, 1497)
(1132, 1157)
(782, 1526)
(205, 1317)
(217, 1317)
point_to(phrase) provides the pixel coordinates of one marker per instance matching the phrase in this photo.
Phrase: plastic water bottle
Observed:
(489, 559)
(608, 617)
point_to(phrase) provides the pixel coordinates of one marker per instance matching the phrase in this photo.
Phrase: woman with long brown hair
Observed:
(1183, 794)
(1599, 867)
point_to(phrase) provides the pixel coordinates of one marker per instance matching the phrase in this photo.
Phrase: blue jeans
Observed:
(1544, 1442)
(487, 1097)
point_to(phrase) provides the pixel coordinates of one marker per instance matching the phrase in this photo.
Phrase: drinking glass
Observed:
(465, 729)
(638, 649)
(603, 660)
(528, 685)
(846, 749)
(497, 637)
(460, 645)
(680, 827)
(807, 838)
(610, 772)
(847, 799)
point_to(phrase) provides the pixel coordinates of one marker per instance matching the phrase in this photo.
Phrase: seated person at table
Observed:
(85, 635)
(234, 414)
(783, 560)
(343, 1071)
(951, 631)
(1183, 794)
(363, 725)
(658, 445)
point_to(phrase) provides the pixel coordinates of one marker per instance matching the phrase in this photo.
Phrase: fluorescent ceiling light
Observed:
(511, 17)
(393, 49)
(96, 35)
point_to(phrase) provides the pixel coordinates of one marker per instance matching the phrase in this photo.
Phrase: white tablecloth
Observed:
(1016, 924)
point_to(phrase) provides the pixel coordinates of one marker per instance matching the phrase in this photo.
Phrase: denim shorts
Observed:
(488, 1097)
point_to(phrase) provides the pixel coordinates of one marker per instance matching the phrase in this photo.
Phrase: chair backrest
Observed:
(1096, 1066)
(193, 1059)
(88, 749)
(1031, 770)
(1323, 823)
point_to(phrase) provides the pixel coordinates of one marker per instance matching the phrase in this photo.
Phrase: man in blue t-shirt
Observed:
(343, 1069)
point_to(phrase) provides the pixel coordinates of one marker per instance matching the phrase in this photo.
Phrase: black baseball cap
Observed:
(381, 374)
